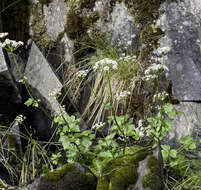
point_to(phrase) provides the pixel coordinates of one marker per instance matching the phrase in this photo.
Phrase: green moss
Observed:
(152, 179)
(144, 13)
(121, 172)
(42, 40)
(58, 174)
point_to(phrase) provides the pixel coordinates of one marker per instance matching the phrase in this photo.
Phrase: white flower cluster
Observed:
(142, 130)
(127, 58)
(122, 95)
(23, 80)
(11, 44)
(98, 126)
(160, 96)
(152, 71)
(163, 50)
(106, 64)
(3, 35)
(20, 119)
(82, 73)
(155, 68)
(54, 93)
(61, 111)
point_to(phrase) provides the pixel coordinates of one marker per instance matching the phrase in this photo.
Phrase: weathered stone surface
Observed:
(181, 24)
(119, 24)
(188, 122)
(10, 98)
(3, 66)
(69, 177)
(41, 77)
(61, 56)
(55, 17)
(138, 171)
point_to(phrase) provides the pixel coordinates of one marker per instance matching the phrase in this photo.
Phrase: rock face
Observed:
(41, 77)
(10, 98)
(119, 25)
(181, 24)
(69, 177)
(139, 171)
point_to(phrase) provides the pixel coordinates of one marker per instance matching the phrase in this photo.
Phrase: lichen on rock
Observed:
(39, 31)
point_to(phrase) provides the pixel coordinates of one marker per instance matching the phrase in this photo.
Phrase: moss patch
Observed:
(152, 179)
(67, 177)
(58, 174)
(121, 172)
(42, 40)
(79, 20)
(144, 13)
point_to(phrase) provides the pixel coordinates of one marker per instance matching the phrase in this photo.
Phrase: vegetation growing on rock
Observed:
(121, 172)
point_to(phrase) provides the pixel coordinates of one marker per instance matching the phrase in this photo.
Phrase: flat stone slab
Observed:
(181, 24)
(3, 66)
(41, 76)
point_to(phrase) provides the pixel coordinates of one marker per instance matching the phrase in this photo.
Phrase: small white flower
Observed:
(20, 119)
(133, 36)
(98, 126)
(106, 63)
(163, 50)
(106, 68)
(54, 93)
(140, 123)
(129, 43)
(82, 73)
(122, 95)
(3, 35)
(12, 44)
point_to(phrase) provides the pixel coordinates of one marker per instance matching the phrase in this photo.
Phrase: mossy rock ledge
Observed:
(139, 171)
(69, 177)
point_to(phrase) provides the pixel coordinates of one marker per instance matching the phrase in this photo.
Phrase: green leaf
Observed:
(65, 142)
(29, 102)
(165, 154)
(86, 142)
(105, 154)
(173, 153)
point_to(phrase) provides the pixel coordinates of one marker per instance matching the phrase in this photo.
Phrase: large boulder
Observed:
(10, 98)
(138, 171)
(69, 177)
(42, 78)
(181, 24)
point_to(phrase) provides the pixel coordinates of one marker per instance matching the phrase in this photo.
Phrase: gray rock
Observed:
(181, 24)
(119, 24)
(137, 171)
(188, 122)
(69, 177)
(55, 17)
(3, 66)
(41, 77)
(9, 94)
(182, 27)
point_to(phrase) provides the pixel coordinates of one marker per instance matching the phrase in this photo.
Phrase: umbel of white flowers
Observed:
(11, 45)
(106, 63)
